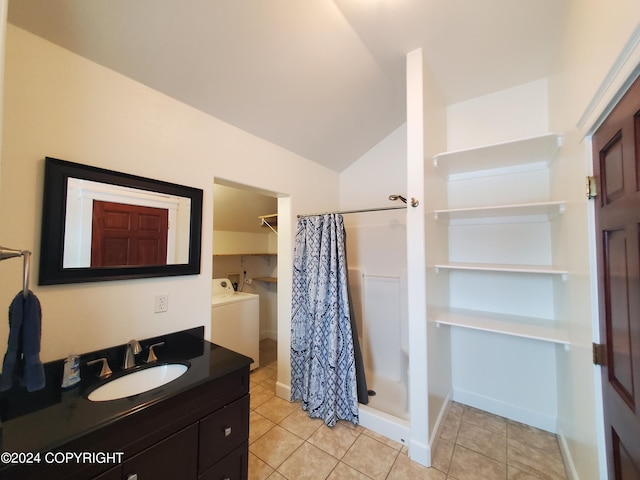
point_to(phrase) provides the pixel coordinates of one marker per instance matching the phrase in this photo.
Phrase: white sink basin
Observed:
(137, 382)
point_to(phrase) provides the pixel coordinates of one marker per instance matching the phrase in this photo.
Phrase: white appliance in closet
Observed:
(235, 320)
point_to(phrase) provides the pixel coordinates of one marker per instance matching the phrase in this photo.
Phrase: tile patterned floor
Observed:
(284, 443)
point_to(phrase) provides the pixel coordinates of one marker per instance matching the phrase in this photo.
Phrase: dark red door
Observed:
(124, 235)
(616, 153)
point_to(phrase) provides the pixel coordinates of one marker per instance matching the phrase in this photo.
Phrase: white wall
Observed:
(519, 112)
(59, 104)
(596, 33)
(376, 240)
(382, 171)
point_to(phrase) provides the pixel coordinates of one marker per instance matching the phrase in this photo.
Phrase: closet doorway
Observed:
(245, 251)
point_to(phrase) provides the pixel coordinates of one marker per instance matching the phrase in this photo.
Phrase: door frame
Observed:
(284, 270)
(619, 78)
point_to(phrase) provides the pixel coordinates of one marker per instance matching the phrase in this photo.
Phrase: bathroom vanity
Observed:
(195, 427)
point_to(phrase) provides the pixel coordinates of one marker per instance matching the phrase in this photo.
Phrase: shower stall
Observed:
(376, 253)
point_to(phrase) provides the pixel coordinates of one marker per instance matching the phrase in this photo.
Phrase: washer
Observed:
(235, 320)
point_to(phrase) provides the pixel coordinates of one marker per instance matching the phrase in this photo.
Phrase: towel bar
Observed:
(6, 253)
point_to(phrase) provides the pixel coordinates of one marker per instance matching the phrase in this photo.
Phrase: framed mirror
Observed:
(99, 224)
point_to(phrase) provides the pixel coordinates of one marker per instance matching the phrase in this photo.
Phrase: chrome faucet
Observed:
(131, 350)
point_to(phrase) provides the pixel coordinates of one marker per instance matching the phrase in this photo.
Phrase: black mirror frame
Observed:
(57, 172)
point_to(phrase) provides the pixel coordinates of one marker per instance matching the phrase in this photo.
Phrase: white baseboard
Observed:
(419, 452)
(512, 412)
(435, 434)
(283, 391)
(566, 456)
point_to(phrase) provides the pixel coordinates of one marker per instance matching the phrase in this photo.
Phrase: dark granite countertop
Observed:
(47, 419)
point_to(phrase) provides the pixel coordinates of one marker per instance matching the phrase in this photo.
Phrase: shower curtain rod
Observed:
(365, 210)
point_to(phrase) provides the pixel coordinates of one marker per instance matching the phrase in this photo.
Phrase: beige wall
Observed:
(61, 105)
(4, 5)
(238, 243)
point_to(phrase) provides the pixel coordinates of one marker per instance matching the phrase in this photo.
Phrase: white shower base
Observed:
(391, 396)
(394, 428)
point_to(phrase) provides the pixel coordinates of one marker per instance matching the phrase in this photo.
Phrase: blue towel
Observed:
(23, 350)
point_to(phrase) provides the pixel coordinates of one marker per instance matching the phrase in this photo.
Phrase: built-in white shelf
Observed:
(545, 210)
(513, 325)
(500, 267)
(529, 152)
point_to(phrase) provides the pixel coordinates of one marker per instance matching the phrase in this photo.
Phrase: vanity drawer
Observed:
(234, 466)
(222, 432)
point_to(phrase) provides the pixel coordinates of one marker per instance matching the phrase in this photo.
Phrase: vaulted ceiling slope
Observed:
(321, 78)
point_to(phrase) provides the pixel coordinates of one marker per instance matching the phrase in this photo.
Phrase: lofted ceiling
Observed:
(321, 78)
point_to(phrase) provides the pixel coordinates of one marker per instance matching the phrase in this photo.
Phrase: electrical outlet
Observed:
(249, 281)
(162, 302)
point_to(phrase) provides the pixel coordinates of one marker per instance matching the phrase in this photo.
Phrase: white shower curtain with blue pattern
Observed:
(323, 369)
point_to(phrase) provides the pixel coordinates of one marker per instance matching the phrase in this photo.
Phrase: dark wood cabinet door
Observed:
(174, 457)
(234, 466)
(222, 432)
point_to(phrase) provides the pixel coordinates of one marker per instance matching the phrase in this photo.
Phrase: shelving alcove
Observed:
(501, 277)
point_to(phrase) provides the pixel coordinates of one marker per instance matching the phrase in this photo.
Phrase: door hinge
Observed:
(592, 187)
(599, 354)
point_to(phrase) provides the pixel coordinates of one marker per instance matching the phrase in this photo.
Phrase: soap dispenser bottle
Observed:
(71, 374)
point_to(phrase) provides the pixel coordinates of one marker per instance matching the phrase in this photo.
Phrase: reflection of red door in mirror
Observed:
(124, 235)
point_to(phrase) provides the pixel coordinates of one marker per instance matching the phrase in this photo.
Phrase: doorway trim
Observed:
(284, 275)
(617, 81)
(285, 282)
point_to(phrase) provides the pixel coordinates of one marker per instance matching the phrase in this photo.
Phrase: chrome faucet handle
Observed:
(151, 357)
(105, 371)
